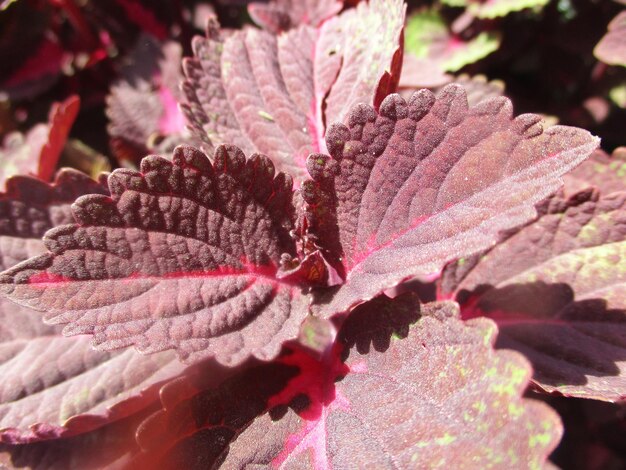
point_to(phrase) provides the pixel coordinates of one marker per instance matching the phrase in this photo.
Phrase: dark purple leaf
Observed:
(388, 395)
(275, 95)
(612, 47)
(422, 183)
(600, 170)
(198, 420)
(438, 397)
(557, 289)
(184, 255)
(54, 386)
(143, 106)
(281, 15)
(38, 152)
(39, 72)
(111, 447)
(30, 207)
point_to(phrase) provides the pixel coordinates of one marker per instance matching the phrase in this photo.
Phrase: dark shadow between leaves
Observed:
(566, 340)
(594, 432)
(374, 323)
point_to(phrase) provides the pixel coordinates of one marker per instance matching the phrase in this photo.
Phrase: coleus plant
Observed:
(260, 273)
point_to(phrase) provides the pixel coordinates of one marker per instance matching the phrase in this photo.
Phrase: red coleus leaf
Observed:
(54, 386)
(557, 289)
(281, 15)
(39, 72)
(612, 47)
(198, 421)
(394, 408)
(422, 183)
(111, 447)
(62, 117)
(600, 170)
(389, 395)
(275, 95)
(143, 106)
(37, 153)
(184, 255)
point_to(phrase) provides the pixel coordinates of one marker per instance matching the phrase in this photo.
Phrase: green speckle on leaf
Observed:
(445, 439)
(513, 458)
(515, 410)
(540, 439)
(491, 372)
(68, 409)
(267, 116)
(226, 65)
(480, 406)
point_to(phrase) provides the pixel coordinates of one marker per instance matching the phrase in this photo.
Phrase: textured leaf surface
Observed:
(38, 152)
(184, 255)
(612, 47)
(478, 88)
(143, 105)
(606, 172)
(431, 50)
(275, 95)
(389, 395)
(30, 207)
(434, 398)
(426, 182)
(281, 15)
(557, 289)
(495, 8)
(51, 385)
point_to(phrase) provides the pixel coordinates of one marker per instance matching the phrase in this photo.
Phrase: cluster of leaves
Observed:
(322, 240)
